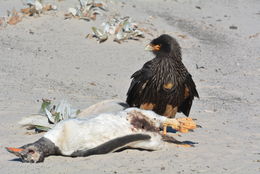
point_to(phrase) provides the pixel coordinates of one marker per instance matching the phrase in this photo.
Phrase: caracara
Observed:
(163, 85)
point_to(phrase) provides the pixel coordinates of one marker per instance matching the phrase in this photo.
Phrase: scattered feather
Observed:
(99, 34)
(37, 7)
(46, 104)
(121, 28)
(41, 128)
(87, 10)
(73, 11)
(49, 7)
(13, 17)
(41, 122)
(61, 111)
(50, 114)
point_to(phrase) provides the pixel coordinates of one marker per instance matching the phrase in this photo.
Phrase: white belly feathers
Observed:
(81, 134)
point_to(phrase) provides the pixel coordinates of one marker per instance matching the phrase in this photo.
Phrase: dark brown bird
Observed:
(163, 85)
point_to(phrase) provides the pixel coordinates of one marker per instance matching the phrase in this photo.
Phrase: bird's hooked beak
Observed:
(151, 47)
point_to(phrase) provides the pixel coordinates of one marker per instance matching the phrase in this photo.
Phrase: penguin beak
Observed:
(12, 149)
(15, 151)
(151, 47)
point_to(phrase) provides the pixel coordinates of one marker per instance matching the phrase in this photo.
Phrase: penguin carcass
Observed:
(103, 133)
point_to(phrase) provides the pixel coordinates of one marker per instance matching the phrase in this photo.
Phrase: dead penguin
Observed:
(100, 134)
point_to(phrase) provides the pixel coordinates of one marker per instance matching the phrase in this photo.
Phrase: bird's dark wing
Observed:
(140, 79)
(189, 93)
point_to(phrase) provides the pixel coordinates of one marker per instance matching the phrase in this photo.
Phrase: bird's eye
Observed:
(31, 151)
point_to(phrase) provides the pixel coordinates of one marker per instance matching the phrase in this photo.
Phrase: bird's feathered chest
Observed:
(167, 71)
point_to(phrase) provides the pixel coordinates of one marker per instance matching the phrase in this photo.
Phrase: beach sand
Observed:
(49, 57)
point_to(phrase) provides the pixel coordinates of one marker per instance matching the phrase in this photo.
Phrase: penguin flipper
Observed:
(111, 145)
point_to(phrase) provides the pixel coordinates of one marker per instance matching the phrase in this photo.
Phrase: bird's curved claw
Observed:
(180, 124)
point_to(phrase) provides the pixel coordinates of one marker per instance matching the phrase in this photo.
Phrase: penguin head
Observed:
(30, 154)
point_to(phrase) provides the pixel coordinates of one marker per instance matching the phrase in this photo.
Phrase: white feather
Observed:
(38, 6)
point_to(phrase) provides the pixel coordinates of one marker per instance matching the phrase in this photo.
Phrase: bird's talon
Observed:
(171, 122)
(186, 124)
(182, 125)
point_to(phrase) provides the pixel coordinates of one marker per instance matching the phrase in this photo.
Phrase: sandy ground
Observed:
(49, 57)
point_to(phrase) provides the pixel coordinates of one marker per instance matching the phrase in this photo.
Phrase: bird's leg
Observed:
(147, 106)
(180, 124)
(170, 111)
